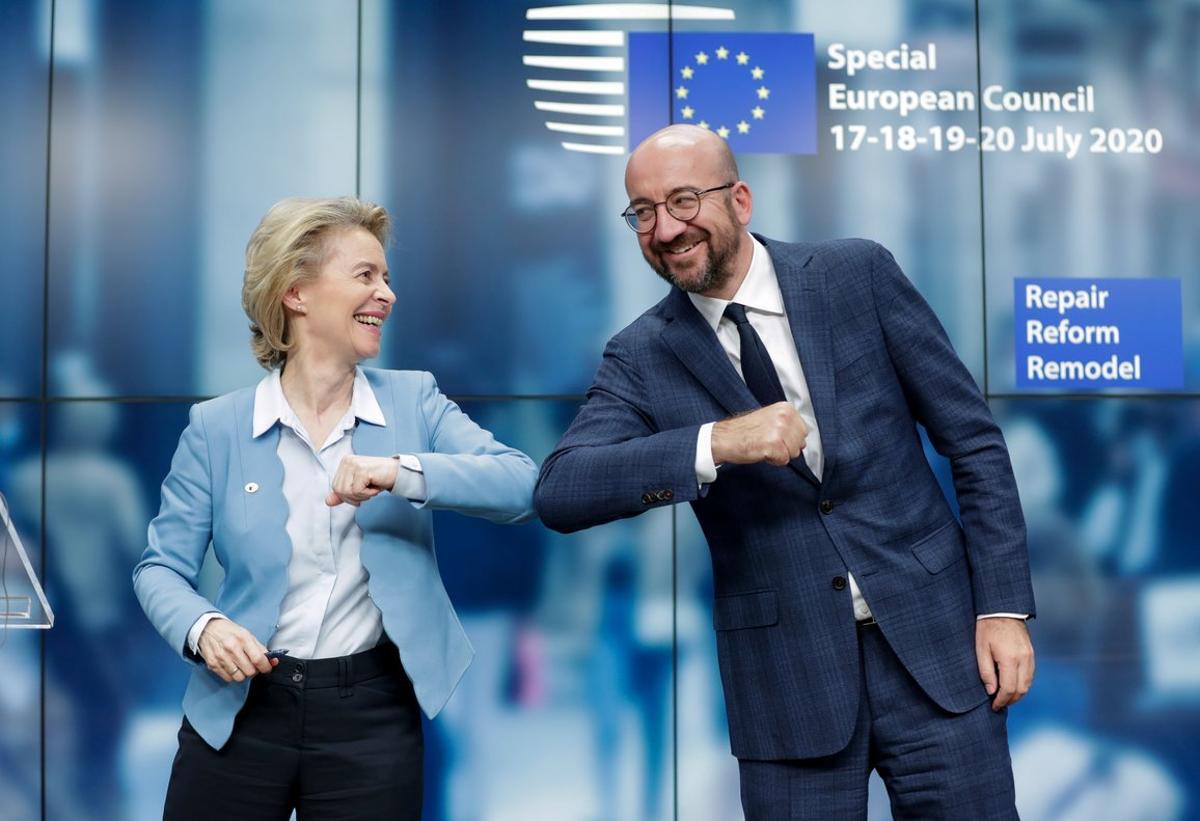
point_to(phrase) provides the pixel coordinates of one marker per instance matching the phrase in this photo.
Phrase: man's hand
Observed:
(1005, 656)
(359, 478)
(232, 652)
(772, 434)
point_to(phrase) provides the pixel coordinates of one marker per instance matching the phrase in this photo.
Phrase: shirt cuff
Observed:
(1021, 616)
(410, 479)
(706, 469)
(193, 636)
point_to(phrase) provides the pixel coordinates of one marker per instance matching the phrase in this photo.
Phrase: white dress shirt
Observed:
(327, 610)
(760, 294)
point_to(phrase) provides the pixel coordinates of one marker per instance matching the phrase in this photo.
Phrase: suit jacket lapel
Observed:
(694, 343)
(802, 284)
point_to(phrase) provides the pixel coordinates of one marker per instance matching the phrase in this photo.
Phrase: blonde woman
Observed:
(332, 629)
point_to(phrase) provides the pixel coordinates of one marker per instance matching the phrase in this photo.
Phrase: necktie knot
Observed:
(736, 313)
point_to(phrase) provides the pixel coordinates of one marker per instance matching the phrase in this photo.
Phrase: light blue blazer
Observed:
(205, 499)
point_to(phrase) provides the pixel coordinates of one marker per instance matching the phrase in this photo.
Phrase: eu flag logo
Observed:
(758, 91)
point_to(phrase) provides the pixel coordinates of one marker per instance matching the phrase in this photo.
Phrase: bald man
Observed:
(778, 387)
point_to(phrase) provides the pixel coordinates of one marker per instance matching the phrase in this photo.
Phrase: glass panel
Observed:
(919, 202)
(1109, 726)
(24, 83)
(176, 126)
(573, 640)
(511, 264)
(20, 650)
(1125, 203)
(115, 684)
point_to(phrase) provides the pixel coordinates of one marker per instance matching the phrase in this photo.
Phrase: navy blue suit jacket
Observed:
(877, 362)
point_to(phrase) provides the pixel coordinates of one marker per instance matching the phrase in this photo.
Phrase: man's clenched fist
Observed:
(772, 434)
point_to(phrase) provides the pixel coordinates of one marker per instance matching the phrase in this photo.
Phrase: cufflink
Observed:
(252, 487)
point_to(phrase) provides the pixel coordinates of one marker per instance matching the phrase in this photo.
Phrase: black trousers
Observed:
(331, 739)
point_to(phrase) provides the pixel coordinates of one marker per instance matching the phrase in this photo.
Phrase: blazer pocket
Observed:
(940, 549)
(843, 369)
(866, 365)
(743, 610)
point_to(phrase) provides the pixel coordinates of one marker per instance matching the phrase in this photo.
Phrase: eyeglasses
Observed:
(683, 204)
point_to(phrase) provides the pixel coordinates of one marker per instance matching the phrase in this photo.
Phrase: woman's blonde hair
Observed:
(288, 247)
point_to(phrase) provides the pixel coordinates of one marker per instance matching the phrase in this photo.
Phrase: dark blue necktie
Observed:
(757, 368)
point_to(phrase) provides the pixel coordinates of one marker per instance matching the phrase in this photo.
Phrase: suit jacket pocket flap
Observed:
(737, 612)
(940, 549)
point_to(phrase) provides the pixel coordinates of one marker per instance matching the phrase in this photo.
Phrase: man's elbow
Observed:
(550, 501)
(548, 510)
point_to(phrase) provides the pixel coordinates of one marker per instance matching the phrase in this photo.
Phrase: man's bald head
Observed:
(705, 151)
(703, 247)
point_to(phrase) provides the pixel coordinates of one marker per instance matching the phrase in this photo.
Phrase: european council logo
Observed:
(758, 91)
(606, 88)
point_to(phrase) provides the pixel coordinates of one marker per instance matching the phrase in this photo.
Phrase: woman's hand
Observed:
(359, 478)
(232, 652)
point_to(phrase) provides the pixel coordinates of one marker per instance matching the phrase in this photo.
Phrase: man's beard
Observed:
(718, 268)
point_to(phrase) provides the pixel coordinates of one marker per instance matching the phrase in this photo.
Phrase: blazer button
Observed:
(647, 498)
(839, 582)
(827, 508)
(666, 495)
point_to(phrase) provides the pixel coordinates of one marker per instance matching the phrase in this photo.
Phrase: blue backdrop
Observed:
(143, 139)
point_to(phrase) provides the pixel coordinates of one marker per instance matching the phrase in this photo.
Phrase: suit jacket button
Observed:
(666, 495)
(839, 582)
(647, 498)
(827, 508)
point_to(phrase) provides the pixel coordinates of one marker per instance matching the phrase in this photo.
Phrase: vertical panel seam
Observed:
(987, 387)
(358, 104)
(44, 406)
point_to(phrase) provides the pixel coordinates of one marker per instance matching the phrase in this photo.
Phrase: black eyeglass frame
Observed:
(630, 217)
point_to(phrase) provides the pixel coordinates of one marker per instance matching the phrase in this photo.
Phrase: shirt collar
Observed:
(759, 291)
(271, 406)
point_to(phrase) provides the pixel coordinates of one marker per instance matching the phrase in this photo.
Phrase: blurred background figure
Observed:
(102, 668)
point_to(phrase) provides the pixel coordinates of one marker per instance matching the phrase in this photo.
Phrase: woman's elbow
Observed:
(524, 482)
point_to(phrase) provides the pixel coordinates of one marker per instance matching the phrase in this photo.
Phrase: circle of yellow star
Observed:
(702, 59)
(702, 124)
(758, 112)
(687, 72)
(722, 53)
(743, 58)
(743, 127)
(757, 73)
(687, 112)
(763, 92)
(723, 133)
(681, 92)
